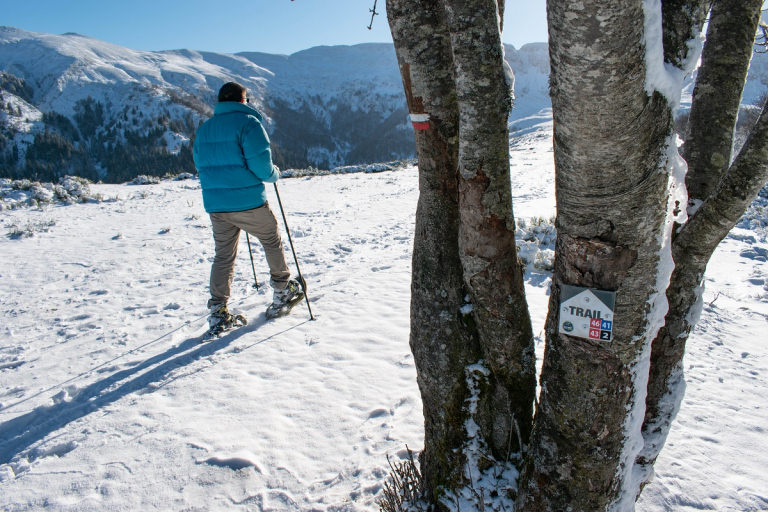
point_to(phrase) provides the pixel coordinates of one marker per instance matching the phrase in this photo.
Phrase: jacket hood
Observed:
(227, 107)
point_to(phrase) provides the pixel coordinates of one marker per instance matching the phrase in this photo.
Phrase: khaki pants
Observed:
(259, 222)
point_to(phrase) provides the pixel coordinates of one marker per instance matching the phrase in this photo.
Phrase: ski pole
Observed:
(295, 259)
(253, 267)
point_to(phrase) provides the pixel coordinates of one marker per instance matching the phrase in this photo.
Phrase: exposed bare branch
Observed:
(373, 14)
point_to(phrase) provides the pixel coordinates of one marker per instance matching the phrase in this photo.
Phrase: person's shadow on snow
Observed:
(21, 432)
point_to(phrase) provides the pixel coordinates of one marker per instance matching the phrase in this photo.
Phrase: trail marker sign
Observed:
(586, 313)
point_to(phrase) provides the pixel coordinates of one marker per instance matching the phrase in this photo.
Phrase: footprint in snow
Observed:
(755, 253)
(378, 413)
(341, 249)
(11, 365)
(234, 463)
(56, 450)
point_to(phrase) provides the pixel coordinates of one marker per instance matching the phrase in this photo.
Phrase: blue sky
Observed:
(272, 26)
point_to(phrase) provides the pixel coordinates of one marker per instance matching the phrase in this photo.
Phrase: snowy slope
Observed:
(68, 67)
(110, 401)
(58, 64)
(303, 407)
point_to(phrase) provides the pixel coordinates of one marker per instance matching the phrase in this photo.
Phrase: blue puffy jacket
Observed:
(233, 159)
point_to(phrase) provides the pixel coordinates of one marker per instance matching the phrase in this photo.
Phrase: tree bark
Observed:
(492, 272)
(443, 341)
(717, 94)
(464, 243)
(610, 138)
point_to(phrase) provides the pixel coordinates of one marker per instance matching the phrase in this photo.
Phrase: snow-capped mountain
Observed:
(74, 104)
(70, 103)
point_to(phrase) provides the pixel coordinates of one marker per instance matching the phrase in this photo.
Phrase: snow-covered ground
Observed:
(109, 401)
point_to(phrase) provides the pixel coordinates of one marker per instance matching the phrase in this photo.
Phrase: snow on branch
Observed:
(761, 41)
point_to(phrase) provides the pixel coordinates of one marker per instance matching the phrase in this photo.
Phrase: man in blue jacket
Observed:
(233, 159)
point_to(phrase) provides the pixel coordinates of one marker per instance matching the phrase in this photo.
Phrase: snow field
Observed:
(104, 316)
(714, 458)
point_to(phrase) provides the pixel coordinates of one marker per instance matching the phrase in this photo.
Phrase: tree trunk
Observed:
(610, 139)
(692, 249)
(464, 246)
(442, 340)
(717, 95)
(682, 21)
(487, 247)
(613, 153)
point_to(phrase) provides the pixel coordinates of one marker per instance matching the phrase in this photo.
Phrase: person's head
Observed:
(232, 91)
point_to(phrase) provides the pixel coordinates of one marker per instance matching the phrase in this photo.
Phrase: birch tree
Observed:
(623, 229)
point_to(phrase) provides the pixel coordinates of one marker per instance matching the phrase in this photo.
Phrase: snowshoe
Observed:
(221, 321)
(284, 300)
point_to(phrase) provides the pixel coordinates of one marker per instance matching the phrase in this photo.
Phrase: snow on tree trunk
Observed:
(611, 141)
(728, 191)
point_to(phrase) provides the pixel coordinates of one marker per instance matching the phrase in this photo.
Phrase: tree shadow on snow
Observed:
(21, 432)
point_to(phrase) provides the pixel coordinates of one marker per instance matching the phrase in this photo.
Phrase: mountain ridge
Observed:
(72, 104)
(131, 94)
